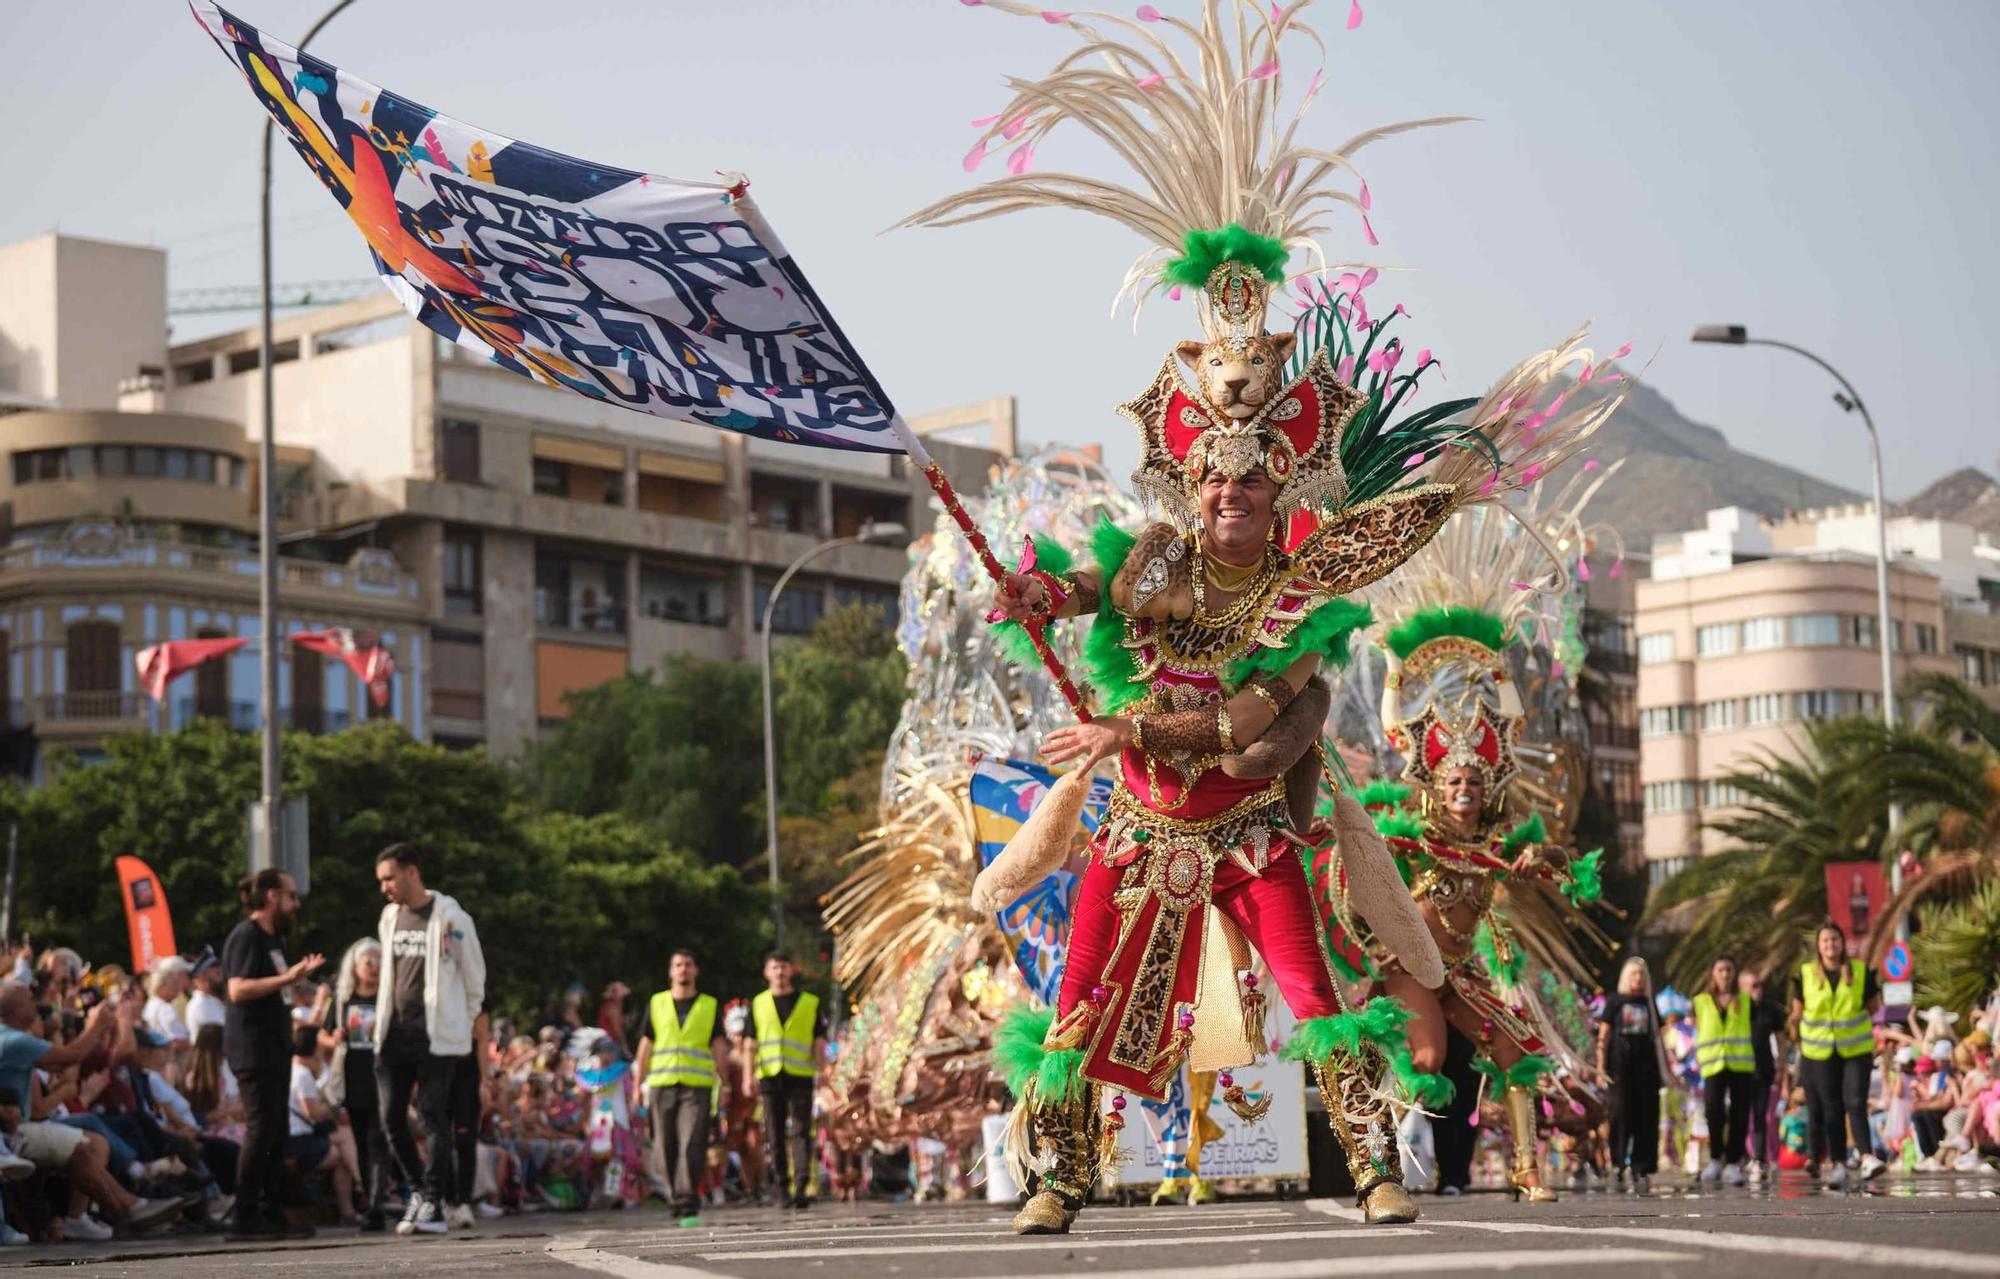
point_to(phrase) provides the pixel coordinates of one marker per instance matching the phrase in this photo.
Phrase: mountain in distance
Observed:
(1966, 496)
(1677, 470)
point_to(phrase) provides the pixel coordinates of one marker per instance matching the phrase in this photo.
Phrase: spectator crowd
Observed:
(245, 1092)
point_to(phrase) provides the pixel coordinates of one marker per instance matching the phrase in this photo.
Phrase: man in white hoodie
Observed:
(433, 987)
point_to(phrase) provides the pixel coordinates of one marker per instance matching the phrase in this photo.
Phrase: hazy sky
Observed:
(1826, 172)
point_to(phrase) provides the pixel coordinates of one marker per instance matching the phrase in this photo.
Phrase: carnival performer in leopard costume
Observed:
(1283, 487)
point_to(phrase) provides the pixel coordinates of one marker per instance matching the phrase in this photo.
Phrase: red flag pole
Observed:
(1037, 628)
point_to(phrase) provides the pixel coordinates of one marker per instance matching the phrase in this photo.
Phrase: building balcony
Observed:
(103, 555)
(1611, 662)
(110, 711)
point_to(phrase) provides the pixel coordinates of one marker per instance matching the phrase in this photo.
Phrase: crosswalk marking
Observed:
(1532, 1260)
(970, 1230)
(622, 1266)
(1897, 1256)
(1080, 1242)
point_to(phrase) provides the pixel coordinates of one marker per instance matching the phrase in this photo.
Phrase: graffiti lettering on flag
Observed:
(668, 296)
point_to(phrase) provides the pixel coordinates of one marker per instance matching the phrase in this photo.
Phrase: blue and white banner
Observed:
(666, 296)
(1036, 924)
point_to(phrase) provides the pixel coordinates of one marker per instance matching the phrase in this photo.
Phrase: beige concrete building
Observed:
(1748, 628)
(1611, 697)
(512, 544)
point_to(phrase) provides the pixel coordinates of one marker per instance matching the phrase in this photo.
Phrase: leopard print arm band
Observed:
(1196, 733)
(1274, 691)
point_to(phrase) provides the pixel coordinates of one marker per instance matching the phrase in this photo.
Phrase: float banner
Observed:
(1856, 894)
(667, 296)
(1036, 924)
(147, 918)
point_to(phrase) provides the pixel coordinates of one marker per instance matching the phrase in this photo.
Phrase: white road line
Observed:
(1336, 1209)
(1081, 1242)
(1897, 1256)
(970, 1230)
(1209, 1217)
(1533, 1260)
(622, 1266)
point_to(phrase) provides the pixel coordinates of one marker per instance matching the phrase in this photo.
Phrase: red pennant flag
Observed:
(160, 664)
(361, 650)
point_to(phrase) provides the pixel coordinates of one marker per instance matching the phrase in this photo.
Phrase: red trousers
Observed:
(1275, 913)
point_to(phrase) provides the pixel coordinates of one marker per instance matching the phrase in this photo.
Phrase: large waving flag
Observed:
(663, 295)
(667, 296)
(1035, 924)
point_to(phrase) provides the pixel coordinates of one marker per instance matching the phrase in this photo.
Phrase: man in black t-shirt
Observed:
(257, 1040)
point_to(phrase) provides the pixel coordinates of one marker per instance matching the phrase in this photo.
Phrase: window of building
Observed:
(1657, 647)
(1975, 665)
(309, 689)
(786, 505)
(853, 511)
(1720, 794)
(211, 681)
(1861, 630)
(884, 600)
(1664, 721)
(668, 495)
(1660, 870)
(464, 587)
(458, 675)
(281, 352)
(1814, 628)
(1670, 797)
(121, 461)
(1927, 637)
(684, 595)
(551, 477)
(1829, 703)
(579, 592)
(1719, 715)
(1764, 708)
(1760, 633)
(91, 664)
(145, 462)
(799, 607)
(194, 371)
(1718, 639)
(458, 450)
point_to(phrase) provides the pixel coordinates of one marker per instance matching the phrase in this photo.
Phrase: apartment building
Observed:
(1749, 627)
(534, 543)
(1610, 696)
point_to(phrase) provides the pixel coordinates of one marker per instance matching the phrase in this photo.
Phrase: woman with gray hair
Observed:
(351, 1031)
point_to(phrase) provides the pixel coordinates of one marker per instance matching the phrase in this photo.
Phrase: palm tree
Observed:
(1958, 951)
(1945, 773)
(1761, 898)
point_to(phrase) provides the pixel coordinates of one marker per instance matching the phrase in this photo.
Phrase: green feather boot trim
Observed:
(1431, 1091)
(1030, 1070)
(1378, 1024)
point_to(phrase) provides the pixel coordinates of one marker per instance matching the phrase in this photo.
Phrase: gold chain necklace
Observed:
(1255, 583)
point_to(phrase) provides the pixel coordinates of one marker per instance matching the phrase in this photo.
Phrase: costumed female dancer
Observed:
(1284, 488)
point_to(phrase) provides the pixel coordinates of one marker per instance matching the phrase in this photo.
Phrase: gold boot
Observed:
(1366, 1130)
(1524, 1173)
(1066, 1133)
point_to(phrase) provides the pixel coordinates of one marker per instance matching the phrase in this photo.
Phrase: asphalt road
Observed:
(1907, 1228)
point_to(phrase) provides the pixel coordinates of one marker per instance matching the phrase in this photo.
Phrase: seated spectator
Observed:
(211, 1086)
(171, 1126)
(317, 1140)
(206, 1005)
(83, 1156)
(169, 980)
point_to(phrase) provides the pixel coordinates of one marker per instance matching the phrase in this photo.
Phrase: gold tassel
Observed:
(1109, 1157)
(1168, 1060)
(1254, 1007)
(1239, 1101)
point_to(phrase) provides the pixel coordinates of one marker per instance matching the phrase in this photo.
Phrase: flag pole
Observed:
(1036, 627)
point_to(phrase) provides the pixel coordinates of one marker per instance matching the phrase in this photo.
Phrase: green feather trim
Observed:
(1531, 831)
(1029, 1069)
(1586, 879)
(1435, 623)
(1378, 1023)
(1012, 638)
(1398, 822)
(1525, 1073)
(1508, 972)
(1107, 664)
(1382, 791)
(1431, 1091)
(1203, 251)
(1325, 634)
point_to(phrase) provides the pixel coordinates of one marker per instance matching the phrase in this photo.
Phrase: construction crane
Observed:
(285, 296)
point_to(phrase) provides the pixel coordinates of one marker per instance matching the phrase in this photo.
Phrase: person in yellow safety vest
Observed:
(1834, 999)
(680, 1058)
(1728, 1064)
(788, 1042)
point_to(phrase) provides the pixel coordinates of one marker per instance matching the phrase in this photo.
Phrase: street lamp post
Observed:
(267, 515)
(872, 534)
(1850, 401)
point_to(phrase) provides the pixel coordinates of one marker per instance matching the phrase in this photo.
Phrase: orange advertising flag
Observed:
(146, 914)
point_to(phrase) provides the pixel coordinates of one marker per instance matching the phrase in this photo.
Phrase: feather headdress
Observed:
(1219, 174)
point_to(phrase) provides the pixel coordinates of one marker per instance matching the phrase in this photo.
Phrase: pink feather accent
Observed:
(985, 120)
(1367, 200)
(1319, 78)
(1354, 15)
(1583, 378)
(1024, 155)
(1266, 71)
(1531, 472)
(1590, 464)
(1368, 230)
(1609, 378)
(1618, 567)
(1522, 586)
(1012, 129)
(1147, 82)
(1415, 459)
(1147, 13)
(1583, 570)
(1492, 481)
(1345, 369)
(1622, 352)
(1054, 17)
(1175, 293)
(1424, 357)
(1277, 14)
(975, 157)
(1556, 669)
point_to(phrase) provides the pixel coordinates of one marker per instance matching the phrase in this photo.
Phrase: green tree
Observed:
(1956, 950)
(1760, 898)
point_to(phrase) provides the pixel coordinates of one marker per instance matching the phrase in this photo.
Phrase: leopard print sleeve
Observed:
(1170, 734)
(1372, 539)
(1156, 580)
